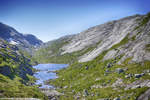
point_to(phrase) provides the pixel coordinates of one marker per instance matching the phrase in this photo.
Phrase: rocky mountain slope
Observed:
(24, 41)
(128, 36)
(109, 61)
(112, 33)
(16, 70)
(51, 51)
(16, 73)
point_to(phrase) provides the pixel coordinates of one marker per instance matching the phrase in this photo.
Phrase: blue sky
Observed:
(51, 19)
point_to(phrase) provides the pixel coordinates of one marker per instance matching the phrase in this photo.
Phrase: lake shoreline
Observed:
(46, 72)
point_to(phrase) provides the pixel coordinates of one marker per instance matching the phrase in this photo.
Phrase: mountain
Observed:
(110, 61)
(51, 51)
(16, 72)
(122, 35)
(125, 30)
(25, 41)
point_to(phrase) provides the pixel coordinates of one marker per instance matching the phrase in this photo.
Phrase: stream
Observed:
(46, 72)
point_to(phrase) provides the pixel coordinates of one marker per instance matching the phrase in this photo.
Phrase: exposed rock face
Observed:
(124, 38)
(32, 39)
(5, 70)
(145, 96)
(112, 33)
(138, 84)
(13, 62)
(109, 34)
(124, 43)
(14, 37)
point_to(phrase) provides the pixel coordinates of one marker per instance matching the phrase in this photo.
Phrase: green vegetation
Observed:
(16, 74)
(84, 76)
(14, 88)
(52, 53)
(148, 47)
(79, 77)
(143, 21)
(29, 56)
(122, 42)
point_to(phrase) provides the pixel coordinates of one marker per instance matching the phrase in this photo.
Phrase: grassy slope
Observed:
(11, 83)
(79, 77)
(14, 88)
(52, 53)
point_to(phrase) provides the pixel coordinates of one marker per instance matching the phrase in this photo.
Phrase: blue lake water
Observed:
(44, 73)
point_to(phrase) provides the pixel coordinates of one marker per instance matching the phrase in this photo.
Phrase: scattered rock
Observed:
(146, 71)
(51, 93)
(142, 74)
(65, 87)
(125, 69)
(119, 82)
(117, 98)
(109, 65)
(92, 94)
(137, 75)
(107, 71)
(128, 76)
(119, 70)
(105, 74)
(77, 97)
(136, 86)
(97, 79)
(86, 67)
(85, 92)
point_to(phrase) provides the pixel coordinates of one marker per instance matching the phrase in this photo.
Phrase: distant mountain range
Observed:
(14, 37)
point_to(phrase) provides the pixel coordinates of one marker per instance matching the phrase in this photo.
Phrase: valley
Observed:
(110, 61)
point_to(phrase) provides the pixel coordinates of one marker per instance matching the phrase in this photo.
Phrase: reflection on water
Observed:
(45, 73)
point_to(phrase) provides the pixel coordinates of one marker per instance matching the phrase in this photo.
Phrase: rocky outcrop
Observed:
(51, 93)
(125, 38)
(5, 70)
(13, 62)
(32, 40)
(24, 41)
(122, 52)
(108, 34)
(138, 84)
(145, 96)
(127, 34)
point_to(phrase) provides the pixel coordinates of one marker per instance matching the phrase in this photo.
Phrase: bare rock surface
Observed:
(51, 93)
(145, 96)
(138, 84)
(109, 34)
